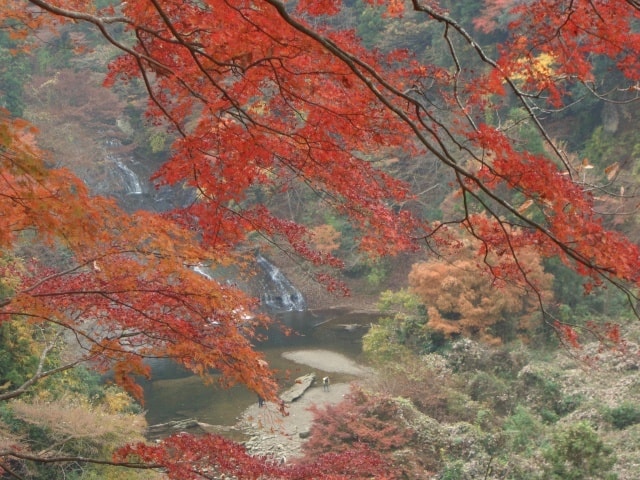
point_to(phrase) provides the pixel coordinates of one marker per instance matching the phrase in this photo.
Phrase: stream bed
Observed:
(175, 394)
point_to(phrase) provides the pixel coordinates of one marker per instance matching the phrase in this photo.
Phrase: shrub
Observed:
(523, 430)
(424, 380)
(568, 404)
(362, 418)
(381, 345)
(577, 453)
(624, 415)
(453, 471)
(539, 386)
(489, 389)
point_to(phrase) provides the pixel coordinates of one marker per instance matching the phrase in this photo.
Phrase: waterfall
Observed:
(130, 178)
(124, 178)
(277, 292)
(204, 271)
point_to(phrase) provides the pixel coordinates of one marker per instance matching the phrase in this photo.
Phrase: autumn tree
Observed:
(482, 300)
(122, 291)
(326, 238)
(362, 419)
(270, 94)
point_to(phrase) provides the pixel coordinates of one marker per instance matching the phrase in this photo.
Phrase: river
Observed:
(174, 394)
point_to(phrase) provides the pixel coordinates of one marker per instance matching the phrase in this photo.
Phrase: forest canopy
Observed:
(449, 138)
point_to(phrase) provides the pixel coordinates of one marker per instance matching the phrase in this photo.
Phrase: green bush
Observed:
(18, 358)
(523, 430)
(577, 453)
(453, 471)
(490, 390)
(540, 386)
(624, 415)
(568, 404)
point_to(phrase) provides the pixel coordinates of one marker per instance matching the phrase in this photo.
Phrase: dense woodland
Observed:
(487, 208)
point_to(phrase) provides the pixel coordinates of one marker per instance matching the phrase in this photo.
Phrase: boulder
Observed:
(299, 387)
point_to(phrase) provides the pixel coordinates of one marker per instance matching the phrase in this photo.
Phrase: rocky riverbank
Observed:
(281, 437)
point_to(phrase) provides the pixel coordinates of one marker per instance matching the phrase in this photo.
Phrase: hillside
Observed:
(466, 174)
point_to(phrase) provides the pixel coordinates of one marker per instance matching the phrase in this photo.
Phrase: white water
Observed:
(278, 293)
(204, 271)
(130, 179)
(124, 178)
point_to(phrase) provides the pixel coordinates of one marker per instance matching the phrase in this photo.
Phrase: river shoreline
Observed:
(281, 437)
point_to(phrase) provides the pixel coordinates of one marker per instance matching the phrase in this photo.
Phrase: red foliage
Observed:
(319, 7)
(361, 419)
(186, 457)
(127, 293)
(568, 334)
(258, 98)
(355, 463)
(241, 87)
(608, 334)
(576, 32)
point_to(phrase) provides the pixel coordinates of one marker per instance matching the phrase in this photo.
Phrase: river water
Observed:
(174, 394)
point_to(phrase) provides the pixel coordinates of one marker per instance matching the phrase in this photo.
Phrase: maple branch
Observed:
(456, 62)
(417, 119)
(514, 254)
(53, 276)
(440, 17)
(634, 3)
(603, 273)
(40, 374)
(605, 96)
(78, 459)
(194, 51)
(442, 154)
(101, 23)
(357, 64)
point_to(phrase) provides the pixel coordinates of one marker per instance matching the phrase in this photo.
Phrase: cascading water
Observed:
(124, 179)
(277, 292)
(204, 271)
(130, 178)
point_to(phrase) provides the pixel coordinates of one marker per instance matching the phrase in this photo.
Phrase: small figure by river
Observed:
(325, 384)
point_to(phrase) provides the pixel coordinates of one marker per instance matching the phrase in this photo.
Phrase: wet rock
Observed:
(161, 430)
(300, 386)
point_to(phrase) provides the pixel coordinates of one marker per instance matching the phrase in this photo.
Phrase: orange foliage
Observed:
(473, 299)
(257, 96)
(241, 87)
(325, 238)
(127, 293)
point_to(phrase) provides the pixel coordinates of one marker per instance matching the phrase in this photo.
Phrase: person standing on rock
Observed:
(325, 384)
(260, 401)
